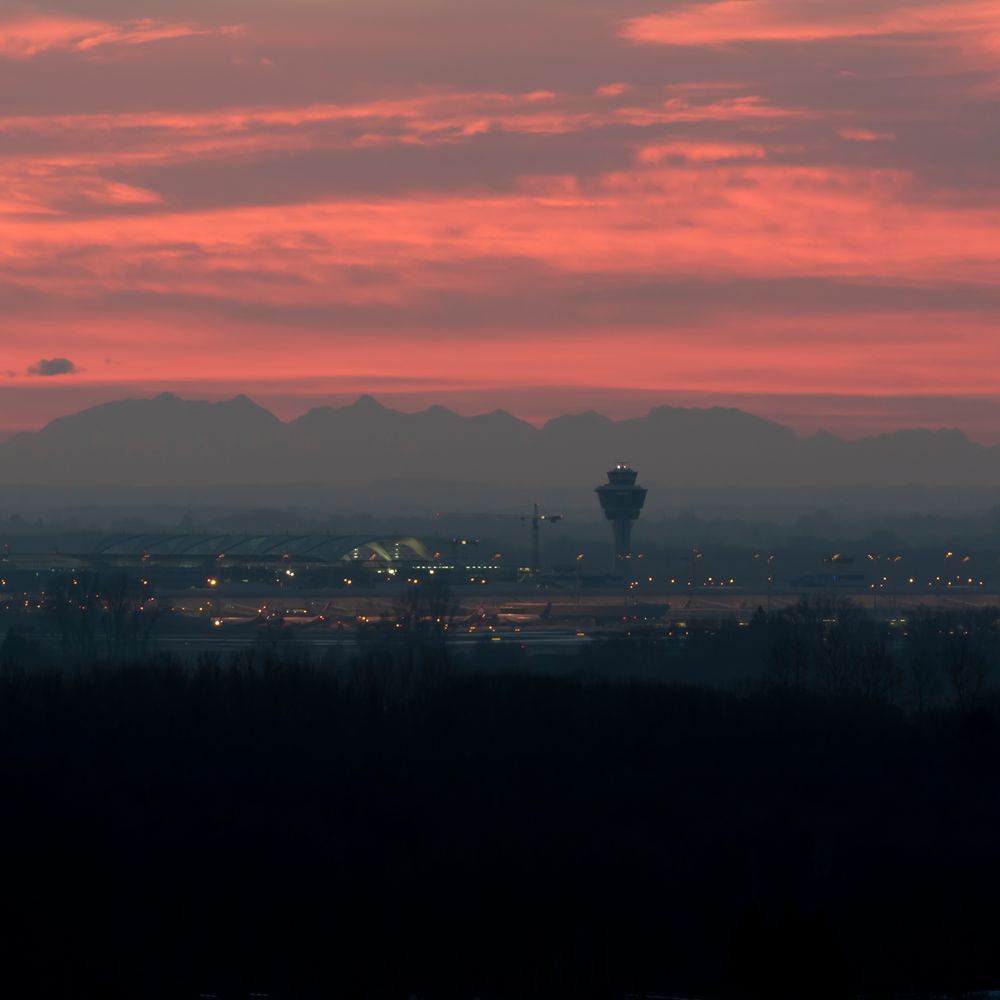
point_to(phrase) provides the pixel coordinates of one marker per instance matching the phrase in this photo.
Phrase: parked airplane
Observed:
(521, 616)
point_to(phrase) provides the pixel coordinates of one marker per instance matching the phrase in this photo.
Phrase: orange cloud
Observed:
(725, 21)
(22, 39)
(101, 191)
(750, 220)
(70, 153)
(47, 188)
(440, 114)
(864, 135)
(680, 109)
(701, 152)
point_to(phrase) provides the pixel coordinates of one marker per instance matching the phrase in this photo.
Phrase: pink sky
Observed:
(786, 205)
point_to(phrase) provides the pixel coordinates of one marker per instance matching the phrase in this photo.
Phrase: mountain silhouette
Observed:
(169, 441)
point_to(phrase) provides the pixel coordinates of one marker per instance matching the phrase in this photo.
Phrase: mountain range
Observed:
(167, 441)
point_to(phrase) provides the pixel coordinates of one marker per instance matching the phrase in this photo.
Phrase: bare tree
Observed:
(131, 613)
(73, 603)
(83, 606)
(427, 608)
(877, 674)
(966, 666)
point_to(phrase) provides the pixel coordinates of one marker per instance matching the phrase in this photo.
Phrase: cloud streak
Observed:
(29, 37)
(730, 21)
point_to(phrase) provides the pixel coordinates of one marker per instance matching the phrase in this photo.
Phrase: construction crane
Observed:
(535, 518)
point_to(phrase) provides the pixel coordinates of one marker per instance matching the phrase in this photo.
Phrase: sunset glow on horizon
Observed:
(784, 205)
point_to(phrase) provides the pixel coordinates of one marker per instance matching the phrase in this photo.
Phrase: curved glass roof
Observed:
(300, 548)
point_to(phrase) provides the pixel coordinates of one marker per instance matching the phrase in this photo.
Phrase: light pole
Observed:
(877, 558)
(893, 559)
(696, 554)
(874, 558)
(770, 575)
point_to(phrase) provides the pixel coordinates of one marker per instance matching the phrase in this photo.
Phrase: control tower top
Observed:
(620, 498)
(622, 475)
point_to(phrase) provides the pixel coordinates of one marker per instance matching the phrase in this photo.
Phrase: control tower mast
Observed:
(621, 500)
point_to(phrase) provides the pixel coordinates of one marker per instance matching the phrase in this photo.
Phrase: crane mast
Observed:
(536, 517)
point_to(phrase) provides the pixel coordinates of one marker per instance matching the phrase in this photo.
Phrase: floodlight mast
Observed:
(622, 500)
(535, 519)
(536, 539)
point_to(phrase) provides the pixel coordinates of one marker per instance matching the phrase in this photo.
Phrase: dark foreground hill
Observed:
(261, 827)
(171, 442)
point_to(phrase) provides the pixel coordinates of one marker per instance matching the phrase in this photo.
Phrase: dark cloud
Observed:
(496, 161)
(48, 367)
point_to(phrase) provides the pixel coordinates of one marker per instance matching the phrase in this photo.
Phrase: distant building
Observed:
(622, 500)
(181, 561)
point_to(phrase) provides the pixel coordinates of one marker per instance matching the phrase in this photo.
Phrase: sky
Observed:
(543, 205)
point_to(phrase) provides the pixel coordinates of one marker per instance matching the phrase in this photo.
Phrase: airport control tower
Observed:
(621, 501)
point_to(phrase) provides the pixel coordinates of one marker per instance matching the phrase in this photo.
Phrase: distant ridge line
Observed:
(172, 441)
